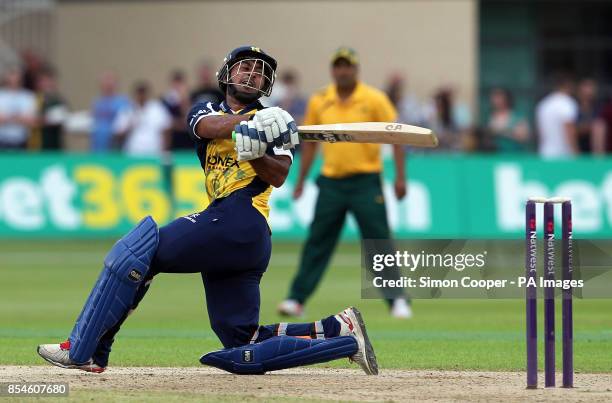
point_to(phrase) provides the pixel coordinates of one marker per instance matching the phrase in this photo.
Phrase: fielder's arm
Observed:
(308, 151)
(399, 156)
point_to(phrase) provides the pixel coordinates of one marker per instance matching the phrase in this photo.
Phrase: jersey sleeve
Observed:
(198, 112)
(311, 115)
(385, 111)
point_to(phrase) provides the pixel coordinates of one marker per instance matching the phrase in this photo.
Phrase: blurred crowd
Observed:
(572, 119)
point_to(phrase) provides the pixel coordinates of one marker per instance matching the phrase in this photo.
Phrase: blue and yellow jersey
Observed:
(224, 175)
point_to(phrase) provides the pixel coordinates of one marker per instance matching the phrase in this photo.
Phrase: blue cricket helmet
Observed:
(248, 53)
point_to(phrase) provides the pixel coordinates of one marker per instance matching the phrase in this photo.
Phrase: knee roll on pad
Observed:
(125, 268)
(280, 352)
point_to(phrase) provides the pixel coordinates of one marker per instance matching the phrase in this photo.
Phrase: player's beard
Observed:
(243, 97)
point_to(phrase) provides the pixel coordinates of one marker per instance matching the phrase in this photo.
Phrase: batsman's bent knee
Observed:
(125, 268)
(280, 353)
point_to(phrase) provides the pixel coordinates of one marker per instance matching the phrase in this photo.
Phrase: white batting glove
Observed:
(292, 137)
(277, 126)
(248, 144)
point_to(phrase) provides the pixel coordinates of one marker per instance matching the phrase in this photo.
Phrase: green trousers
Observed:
(359, 194)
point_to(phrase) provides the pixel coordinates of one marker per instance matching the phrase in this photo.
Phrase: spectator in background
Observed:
(33, 65)
(277, 93)
(143, 128)
(105, 110)
(602, 129)
(17, 111)
(207, 89)
(556, 116)
(177, 102)
(287, 95)
(408, 107)
(52, 112)
(449, 120)
(507, 130)
(587, 114)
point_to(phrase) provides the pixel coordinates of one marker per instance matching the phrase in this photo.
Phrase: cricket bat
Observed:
(370, 132)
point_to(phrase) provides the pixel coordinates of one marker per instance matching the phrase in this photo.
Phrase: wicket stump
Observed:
(549, 292)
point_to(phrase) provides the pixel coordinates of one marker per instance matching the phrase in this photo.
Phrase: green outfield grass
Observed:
(44, 284)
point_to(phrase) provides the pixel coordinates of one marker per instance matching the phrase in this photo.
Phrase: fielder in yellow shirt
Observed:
(349, 180)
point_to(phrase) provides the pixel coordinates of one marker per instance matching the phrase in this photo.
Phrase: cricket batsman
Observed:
(244, 150)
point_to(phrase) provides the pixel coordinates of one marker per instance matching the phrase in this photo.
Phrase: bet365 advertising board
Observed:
(449, 196)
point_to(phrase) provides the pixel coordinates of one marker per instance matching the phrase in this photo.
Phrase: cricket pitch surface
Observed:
(202, 383)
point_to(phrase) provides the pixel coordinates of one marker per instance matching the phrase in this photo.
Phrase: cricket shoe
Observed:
(351, 324)
(291, 307)
(58, 354)
(401, 309)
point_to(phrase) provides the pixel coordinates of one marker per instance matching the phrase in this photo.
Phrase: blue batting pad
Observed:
(125, 268)
(280, 352)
